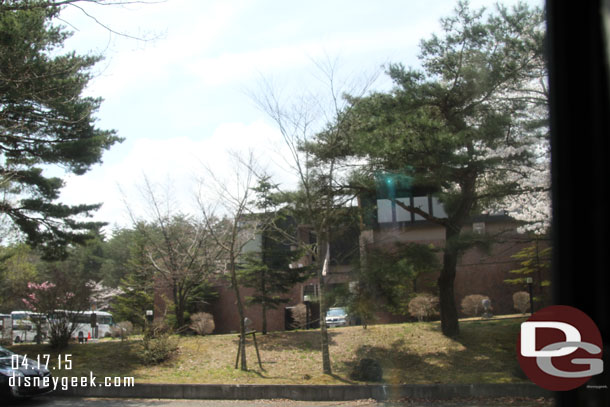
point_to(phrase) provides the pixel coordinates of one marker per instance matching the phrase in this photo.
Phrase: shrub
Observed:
(472, 305)
(521, 301)
(202, 323)
(155, 350)
(299, 316)
(115, 331)
(423, 306)
(159, 327)
(122, 330)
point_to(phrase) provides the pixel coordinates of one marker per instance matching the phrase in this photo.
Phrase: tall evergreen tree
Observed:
(136, 276)
(469, 126)
(19, 264)
(270, 273)
(268, 268)
(44, 120)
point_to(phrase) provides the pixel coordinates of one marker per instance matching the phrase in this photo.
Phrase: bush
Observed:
(423, 306)
(472, 305)
(521, 301)
(202, 323)
(299, 316)
(115, 332)
(122, 330)
(159, 327)
(155, 350)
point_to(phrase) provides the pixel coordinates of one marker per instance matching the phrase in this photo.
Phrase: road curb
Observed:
(309, 393)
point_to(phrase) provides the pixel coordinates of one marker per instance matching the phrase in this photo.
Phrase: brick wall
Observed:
(479, 272)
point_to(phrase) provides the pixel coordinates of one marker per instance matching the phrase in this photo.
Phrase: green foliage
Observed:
(466, 127)
(268, 268)
(123, 253)
(387, 278)
(269, 272)
(87, 259)
(44, 121)
(157, 349)
(392, 276)
(158, 344)
(535, 261)
(19, 264)
(393, 185)
(126, 266)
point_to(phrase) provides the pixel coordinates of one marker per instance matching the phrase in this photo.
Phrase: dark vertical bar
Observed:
(579, 148)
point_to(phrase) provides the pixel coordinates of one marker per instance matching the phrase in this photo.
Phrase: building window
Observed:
(478, 228)
(391, 212)
(310, 291)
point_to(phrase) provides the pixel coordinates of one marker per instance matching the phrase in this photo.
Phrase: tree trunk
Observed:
(38, 331)
(178, 308)
(264, 303)
(326, 368)
(240, 312)
(449, 317)
(179, 316)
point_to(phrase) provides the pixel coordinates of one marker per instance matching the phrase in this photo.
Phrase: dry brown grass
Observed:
(484, 352)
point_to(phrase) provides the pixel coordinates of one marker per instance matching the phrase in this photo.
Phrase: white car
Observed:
(337, 316)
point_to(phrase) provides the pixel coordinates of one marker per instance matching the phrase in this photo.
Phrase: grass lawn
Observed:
(410, 353)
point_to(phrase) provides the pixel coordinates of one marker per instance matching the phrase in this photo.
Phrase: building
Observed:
(382, 227)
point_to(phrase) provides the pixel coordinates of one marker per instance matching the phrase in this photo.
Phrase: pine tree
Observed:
(468, 127)
(44, 121)
(270, 273)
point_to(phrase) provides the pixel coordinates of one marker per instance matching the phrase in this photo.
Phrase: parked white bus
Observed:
(23, 324)
(5, 327)
(85, 329)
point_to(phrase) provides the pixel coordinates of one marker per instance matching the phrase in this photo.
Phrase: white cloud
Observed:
(165, 94)
(132, 64)
(237, 66)
(179, 161)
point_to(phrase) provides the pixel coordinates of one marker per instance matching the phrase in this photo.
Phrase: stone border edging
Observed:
(309, 393)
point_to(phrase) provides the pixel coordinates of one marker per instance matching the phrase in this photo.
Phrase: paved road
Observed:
(50, 401)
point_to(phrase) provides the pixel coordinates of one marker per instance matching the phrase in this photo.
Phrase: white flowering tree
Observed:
(533, 207)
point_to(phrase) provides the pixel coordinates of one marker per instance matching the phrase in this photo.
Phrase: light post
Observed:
(93, 324)
(529, 282)
(306, 300)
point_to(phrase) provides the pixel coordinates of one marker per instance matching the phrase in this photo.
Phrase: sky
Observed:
(182, 98)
